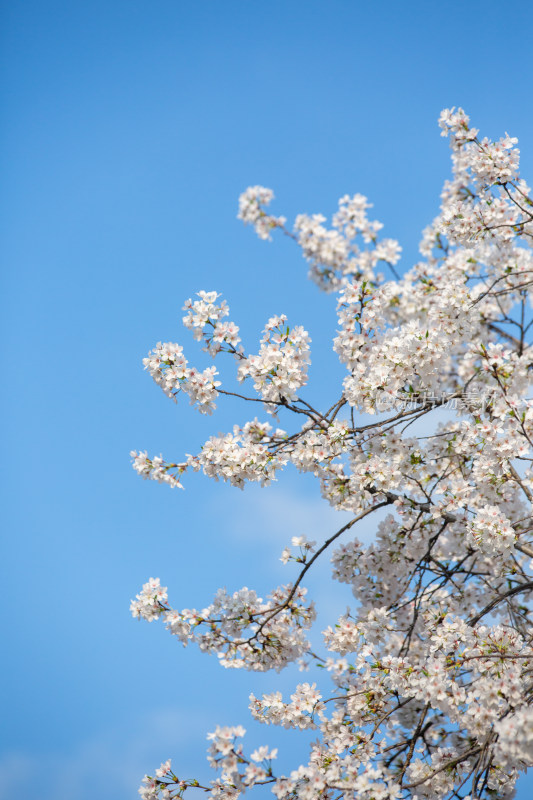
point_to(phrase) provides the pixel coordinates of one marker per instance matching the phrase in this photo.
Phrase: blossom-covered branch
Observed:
(431, 672)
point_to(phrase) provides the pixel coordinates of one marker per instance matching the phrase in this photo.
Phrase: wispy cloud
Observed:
(287, 509)
(280, 511)
(109, 765)
(291, 508)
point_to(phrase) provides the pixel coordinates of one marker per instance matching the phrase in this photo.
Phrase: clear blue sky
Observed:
(129, 130)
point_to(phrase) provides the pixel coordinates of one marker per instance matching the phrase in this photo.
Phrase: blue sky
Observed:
(129, 130)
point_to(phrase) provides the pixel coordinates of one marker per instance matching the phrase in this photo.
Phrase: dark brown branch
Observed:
(522, 587)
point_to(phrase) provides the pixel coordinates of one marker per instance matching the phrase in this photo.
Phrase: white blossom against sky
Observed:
(130, 128)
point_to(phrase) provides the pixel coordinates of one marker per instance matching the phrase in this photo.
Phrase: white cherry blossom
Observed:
(422, 688)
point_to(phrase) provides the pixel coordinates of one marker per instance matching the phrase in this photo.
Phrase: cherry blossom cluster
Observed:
(491, 531)
(241, 772)
(156, 469)
(280, 368)
(149, 602)
(305, 546)
(427, 443)
(301, 712)
(490, 162)
(486, 198)
(164, 784)
(250, 453)
(242, 629)
(168, 367)
(391, 360)
(333, 252)
(515, 737)
(252, 204)
(204, 318)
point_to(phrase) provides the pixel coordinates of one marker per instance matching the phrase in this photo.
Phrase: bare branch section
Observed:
(431, 673)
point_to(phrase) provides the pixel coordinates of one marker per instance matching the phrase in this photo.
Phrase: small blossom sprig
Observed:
(155, 469)
(168, 367)
(306, 548)
(165, 784)
(252, 204)
(242, 629)
(280, 368)
(204, 318)
(226, 755)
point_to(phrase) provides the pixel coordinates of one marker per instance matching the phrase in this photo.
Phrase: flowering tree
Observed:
(432, 671)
